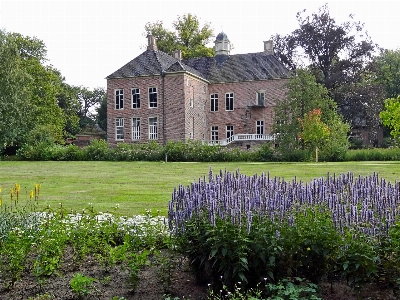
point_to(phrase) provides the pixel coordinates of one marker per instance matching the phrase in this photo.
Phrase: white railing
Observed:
(243, 137)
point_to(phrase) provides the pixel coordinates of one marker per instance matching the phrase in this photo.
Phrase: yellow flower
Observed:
(1, 201)
(308, 248)
(31, 194)
(0, 188)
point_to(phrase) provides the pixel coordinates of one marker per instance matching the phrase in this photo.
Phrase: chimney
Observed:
(152, 43)
(178, 54)
(269, 47)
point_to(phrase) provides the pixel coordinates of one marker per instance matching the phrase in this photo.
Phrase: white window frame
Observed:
(214, 102)
(153, 102)
(229, 102)
(135, 129)
(119, 99)
(260, 127)
(153, 129)
(191, 102)
(214, 133)
(229, 131)
(260, 94)
(119, 129)
(135, 98)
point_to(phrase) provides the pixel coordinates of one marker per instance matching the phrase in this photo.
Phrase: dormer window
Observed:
(260, 98)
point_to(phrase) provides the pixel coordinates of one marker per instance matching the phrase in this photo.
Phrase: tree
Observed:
(68, 102)
(338, 55)
(15, 108)
(189, 37)
(387, 67)
(34, 99)
(102, 114)
(314, 132)
(303, 95)
(391, 116)
(88, 100)
(45, 87)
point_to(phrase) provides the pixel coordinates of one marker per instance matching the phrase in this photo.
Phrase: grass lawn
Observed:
(137, 186)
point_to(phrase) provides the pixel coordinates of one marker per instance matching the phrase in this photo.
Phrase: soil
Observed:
(115, 284)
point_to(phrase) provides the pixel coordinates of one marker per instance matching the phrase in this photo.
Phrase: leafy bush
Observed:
(96, 150)
(376, 154)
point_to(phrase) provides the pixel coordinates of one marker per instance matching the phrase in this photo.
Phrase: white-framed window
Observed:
(135, 98)
(119, 99)
(119, 129)
(214, 102)
(260, 127)
(152, 97)
(135, 128)
(153, 135)
(229, 131)
(261, 98)
(229, 101)
(214, 133)
(191, 102)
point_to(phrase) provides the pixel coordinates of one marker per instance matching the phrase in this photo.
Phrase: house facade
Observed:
(226, 99)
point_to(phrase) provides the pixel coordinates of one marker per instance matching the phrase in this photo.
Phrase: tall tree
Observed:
(391, 116)
(188, 36)
(387, 68)
(89, 101)
(303, 95)
(338, 55)
(102, 114)
(15, 108)
(68, 102)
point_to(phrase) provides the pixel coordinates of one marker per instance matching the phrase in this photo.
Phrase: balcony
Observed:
(242, 138)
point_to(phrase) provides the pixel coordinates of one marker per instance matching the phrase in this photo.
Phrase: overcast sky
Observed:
(88, 40)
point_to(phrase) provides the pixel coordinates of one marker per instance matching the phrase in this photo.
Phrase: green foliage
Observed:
(82, 285)
(303, 96)
(88, 100)
(96, 150)
(50, 249)
(391, 116)
(387, 65)
(310, 244)
(376, 154)
(101, 118)
(45, 296)
(15, 107)
(189, 36)
(294, 288)
(13, 255)
(358, 258)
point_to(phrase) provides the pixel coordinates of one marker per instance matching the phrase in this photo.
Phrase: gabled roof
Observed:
(152, 62)
(218, 69)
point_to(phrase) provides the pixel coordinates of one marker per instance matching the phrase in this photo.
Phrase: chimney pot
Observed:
(178, 54)
(152, 45)
(269, 47)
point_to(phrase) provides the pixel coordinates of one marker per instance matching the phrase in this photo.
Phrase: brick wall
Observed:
(195, 115)
(244, 117)
(144, 112)
(183, 120)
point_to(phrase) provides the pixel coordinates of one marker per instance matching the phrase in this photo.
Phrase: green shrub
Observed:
(97, 150)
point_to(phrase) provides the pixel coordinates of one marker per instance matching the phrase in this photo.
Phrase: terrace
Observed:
(242, 138)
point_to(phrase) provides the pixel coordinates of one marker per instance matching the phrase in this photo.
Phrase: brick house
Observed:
(226, 99)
